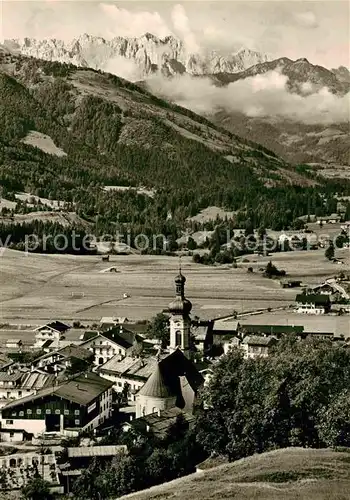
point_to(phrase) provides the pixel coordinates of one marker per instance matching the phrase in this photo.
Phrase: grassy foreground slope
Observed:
(288, 474)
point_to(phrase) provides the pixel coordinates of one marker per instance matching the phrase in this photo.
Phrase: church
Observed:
(168, 379)
(175, 380)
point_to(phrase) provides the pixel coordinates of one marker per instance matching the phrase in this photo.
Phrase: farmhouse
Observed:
(50, 335)
(255, 346)
(116, 341)
(69, 408)
(69, 357)
(313, 303)
(16, 383)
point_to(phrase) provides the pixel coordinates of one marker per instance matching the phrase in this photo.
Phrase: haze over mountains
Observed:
(295, 108)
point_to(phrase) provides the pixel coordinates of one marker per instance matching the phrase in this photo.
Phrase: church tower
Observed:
(180, 322)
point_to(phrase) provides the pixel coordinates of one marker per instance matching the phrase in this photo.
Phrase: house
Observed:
(69, 357)
(115, 341)
(68, 408)
(199, 334)
(255, 346)
(50, 335)
(108, 321)
(308, 218)
(313, 303)
(128, 373)
(330, 219)
(16, 466)
(230, 343)
(80, 457)
(222, 331)
(16, 383)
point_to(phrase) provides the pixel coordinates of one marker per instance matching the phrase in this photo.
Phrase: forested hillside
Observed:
(116, 133)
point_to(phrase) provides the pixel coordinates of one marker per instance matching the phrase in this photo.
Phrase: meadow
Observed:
(287, 474)
(36, 288)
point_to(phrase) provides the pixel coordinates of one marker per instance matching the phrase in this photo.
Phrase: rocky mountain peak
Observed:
(148, 52)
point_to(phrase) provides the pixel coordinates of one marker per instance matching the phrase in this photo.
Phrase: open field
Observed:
(289, 474)
(35, 288)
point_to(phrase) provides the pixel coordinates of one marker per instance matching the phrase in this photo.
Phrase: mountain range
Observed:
(148, 52)
(140, 58)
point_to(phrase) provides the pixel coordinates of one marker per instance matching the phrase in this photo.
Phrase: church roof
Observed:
(155, 386)
(180, 305)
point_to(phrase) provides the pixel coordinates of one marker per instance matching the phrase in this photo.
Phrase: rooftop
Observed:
(96, 451)
(259, 341)
(156, 386)
(160, 424)
(317, 299)
(273, 329)
(55, 325)
(81, 390)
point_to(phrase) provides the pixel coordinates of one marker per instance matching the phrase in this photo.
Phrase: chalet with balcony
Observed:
(313, 303)
(50, 335)
(117, 341)
(68, 408)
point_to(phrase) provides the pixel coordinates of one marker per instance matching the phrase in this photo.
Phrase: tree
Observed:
(334, 425)
(36, 489)
(329, 252)
(191, 244)
(91, 484)
(159, 329)
(291, 398)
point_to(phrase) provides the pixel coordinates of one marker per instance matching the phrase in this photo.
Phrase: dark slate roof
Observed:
(177, 365)
(81, 390)
(121, 336)
(318, 299)
(58, 325)
(156, 386)
(84, 388)
(89, 335)
(273, 329)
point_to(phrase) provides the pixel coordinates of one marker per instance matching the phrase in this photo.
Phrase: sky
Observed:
(317, 30)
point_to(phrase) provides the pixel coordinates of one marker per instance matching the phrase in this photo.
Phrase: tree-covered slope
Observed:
(116, 133)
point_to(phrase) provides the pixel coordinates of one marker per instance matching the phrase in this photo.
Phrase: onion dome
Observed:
(180, 305)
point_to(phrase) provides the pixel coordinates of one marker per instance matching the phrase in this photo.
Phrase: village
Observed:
(63, 393)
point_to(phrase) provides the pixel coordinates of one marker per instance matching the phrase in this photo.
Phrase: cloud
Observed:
(125, 68)
(306, 19)
(134, 24)
(258, 96)
(182, 27)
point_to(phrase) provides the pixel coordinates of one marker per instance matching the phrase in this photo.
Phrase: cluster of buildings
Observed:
(117, 376)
